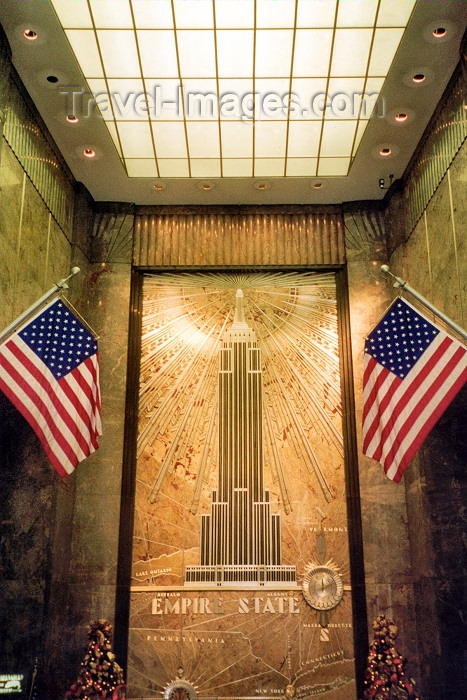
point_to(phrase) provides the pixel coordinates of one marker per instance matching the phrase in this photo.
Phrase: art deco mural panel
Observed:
(240, 577)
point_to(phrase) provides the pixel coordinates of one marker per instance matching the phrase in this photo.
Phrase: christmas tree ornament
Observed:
(100, 677)
(385, 677)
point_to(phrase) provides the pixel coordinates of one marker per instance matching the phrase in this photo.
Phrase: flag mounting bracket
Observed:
(56, 289)
(404, 285)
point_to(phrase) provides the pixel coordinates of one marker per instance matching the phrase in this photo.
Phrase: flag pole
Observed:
(403, 284)
(56, 289)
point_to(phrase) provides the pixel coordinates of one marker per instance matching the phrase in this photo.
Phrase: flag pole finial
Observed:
(63, 283)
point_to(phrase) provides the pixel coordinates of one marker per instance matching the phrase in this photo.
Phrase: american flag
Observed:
(412, 371)
(49, 370)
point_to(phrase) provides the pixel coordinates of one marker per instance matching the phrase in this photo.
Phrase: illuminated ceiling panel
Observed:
(235, 88)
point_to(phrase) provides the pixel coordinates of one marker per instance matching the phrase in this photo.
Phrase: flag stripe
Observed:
(60, 464)
(386, 411)
(420, 402)
(52, 402)
(50, 372)
(31, 393)
(415, 385)
(384, 385)
(446, 385)
(412, 371)
(27, 408)
(79, 391)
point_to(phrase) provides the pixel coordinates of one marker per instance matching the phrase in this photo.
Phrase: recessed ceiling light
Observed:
(441, 30)
(45, 78)
(30, 34)
(385, 151)
(400, 116)
(206, 186)
(159, 186)
(317, 185)
(261, 186)
(86, 152)
(419, 76)
(72, 119)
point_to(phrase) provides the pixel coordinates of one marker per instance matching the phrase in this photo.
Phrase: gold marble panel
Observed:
(11, 187)
(58, 255)
(268, 609)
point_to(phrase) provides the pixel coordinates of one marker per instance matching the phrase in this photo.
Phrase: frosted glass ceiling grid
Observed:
(235, 88)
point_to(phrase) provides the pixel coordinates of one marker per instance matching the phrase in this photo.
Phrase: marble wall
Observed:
(432, 259)
(386, 544)
(35, 254)
(59, 537)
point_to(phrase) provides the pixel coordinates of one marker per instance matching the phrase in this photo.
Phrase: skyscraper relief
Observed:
(240, 538)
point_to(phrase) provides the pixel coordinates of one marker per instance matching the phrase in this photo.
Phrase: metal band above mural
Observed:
(238, 236)
(240, 556)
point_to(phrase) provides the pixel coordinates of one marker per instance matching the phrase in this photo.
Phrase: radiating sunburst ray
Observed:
(294, 317)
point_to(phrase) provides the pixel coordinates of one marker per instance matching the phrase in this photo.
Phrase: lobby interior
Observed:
(79, 188)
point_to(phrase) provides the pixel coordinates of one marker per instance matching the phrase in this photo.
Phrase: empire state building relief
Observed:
(240, 558)
(241, 538)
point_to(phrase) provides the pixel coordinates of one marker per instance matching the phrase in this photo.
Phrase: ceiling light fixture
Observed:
(89, 153)
(159, 186)
(400, 116)
(261, 186)
(206, 186)
(419, 76)
(52, 79)
(72, 119)
(30, 34)
(385, 151)
(441, 31)
(317, 185)
(232, 55)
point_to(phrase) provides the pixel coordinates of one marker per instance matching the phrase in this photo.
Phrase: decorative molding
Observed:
(438, 147)
(27, 137)
(365, 234)
(238, 236)
(112, 236)
(5, 67)
(463, 55)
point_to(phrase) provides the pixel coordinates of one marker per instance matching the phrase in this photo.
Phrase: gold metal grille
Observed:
(35, 154)
(447, 135)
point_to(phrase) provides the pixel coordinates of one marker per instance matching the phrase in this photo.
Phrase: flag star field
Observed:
(400, 339)
(59, 339)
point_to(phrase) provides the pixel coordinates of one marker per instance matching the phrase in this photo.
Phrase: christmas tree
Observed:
(385, 677)
(100, 677)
